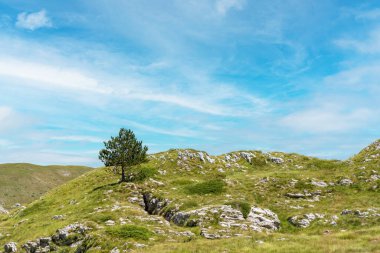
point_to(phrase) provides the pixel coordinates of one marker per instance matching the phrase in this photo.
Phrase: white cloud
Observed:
(77, 138)
(33, 21)
(172, 132)
(5, 112)
(363, 77)
(326, 120)
(369, 45)
(9, 119)
(223, 6)
(50, 77)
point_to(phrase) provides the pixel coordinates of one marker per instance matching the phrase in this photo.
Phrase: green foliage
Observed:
(130, 231)
(189, 204)
(141, 173)
(123, 151)
(302, 185)
(214, 186)
(324, 164)
(258, 161)
(243, 206)
(101, 217)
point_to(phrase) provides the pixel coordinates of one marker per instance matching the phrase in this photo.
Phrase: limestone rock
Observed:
(345, 182)
(319, 183)
(276, 160)
(263, 218)
(10, 247)
(3, 210)
(65, 236)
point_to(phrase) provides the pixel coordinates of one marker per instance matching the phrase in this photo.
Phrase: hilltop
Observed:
(21, 183)
(189, 201)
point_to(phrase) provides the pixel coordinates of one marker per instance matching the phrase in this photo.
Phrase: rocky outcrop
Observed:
(370, 212)
(186, 155)
(154, 205)
(345, 182)
(305, 220)
(319, 183)
(276, 160)
(72, 235)
(10, 247)
(69, 234)
(225, 216)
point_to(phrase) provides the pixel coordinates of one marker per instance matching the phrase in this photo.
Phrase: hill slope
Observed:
(22, 182)
(248, 201)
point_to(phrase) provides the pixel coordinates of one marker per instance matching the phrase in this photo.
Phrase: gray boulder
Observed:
(10, 247)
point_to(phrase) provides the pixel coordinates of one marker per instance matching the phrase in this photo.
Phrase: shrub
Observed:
(215, 186)
(189, 204)
(244, 207)
(139, 174)
(101, 217)
(130, 231)
(301, 185)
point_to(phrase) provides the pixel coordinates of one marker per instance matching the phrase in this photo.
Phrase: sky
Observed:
(215, 75)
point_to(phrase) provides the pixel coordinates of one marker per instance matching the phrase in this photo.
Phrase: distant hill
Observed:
(187, 201)
(23, 182)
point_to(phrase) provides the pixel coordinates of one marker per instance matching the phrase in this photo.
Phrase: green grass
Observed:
(23, 182)
(130, 231)
(140, 173)
(96, 197)
(214, 186)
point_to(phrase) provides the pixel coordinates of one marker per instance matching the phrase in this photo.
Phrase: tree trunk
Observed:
(123, 178)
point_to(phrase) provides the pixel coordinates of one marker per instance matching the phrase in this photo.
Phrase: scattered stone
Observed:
(3, 210)
(345, 182)
(158, 183)
(276, 160)
(298, 195)
(58, 217)
(30, 247)
(115, 250)
(69, 234)
(110, 223)
(139, 245)
(305, 220)
(319, 183)
(247, 156)
(10, 247)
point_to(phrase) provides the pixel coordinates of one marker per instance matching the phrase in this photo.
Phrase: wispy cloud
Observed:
(370, 45)
(33, 21)
(10, 120)
(326, 120)
(172, 132)
(223, 6)
(49, 77)
(77, 138)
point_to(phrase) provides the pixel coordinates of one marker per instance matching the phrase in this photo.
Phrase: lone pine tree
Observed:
(123, 152)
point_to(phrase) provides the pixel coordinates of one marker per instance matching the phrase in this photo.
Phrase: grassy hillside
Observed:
(22, 182)
(180, 198)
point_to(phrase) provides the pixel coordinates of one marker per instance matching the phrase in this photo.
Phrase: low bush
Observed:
(244, 207)
(215, 186)
(189, 204)
(130, 231)
(141, 173)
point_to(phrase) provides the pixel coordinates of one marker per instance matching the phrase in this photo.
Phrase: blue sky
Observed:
(217, 75)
